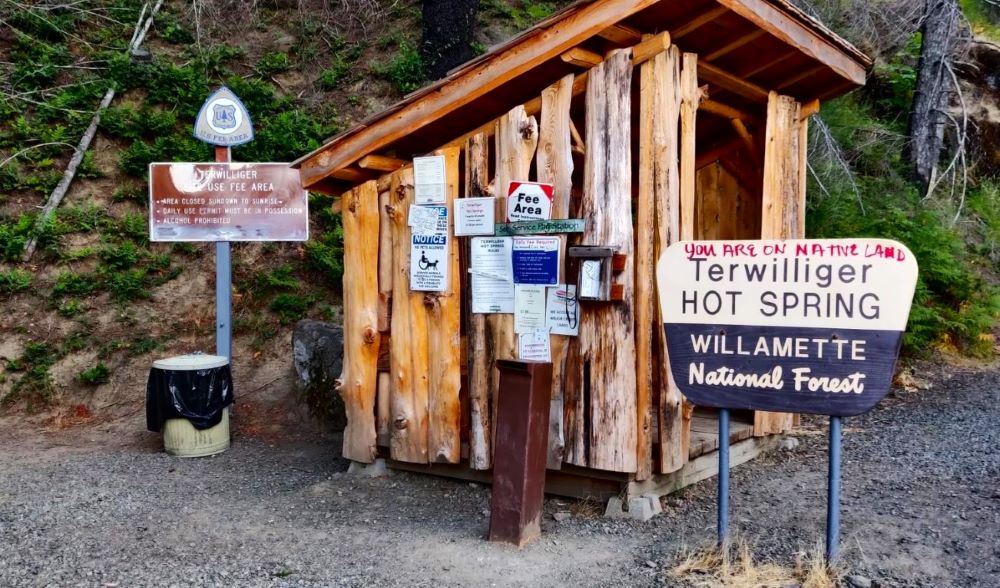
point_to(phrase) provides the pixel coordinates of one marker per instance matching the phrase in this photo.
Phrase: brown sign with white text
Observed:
(227, 202)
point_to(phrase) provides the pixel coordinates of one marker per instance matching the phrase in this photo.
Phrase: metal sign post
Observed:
(723, 522)
(833, 492)
(223, 284)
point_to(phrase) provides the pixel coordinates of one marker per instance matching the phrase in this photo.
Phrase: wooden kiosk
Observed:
(655, 121)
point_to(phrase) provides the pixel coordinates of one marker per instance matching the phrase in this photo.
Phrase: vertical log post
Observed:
(383, 412)
(444, 344)
(358, 383)
(480, 357)
(408, 344)
(607, 331)
(659, 173)
(555, 166)
(783, 203)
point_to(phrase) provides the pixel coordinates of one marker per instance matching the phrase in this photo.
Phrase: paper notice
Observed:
(475, 216)
(428, 179)
(536, 260)
(534, 346)
(529, 308)
(562, 315)
(425, 220)
(492, 281)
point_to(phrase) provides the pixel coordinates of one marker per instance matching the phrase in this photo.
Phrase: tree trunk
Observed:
(927, 120)
(447, 35)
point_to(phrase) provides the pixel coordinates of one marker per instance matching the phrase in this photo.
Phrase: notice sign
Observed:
(492, 282)
(428, 179)
(536, 260)
(429, 254)
(792, 326)
(474, 216)
(529, 201)
(227, 202)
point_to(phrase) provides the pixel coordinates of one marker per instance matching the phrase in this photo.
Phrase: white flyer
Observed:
(562, 314)
(429, 179)
(492, 275)
(534, 346)
(424, 220)
(475, 216)
(429, 255)
(529, 308)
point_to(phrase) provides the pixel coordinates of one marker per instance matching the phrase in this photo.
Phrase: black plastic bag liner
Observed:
(193, 387)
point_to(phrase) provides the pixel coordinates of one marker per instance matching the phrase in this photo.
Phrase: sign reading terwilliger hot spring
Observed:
(792, 326)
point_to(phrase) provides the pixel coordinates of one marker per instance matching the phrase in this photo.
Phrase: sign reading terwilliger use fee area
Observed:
(227, 202)
(791, 326)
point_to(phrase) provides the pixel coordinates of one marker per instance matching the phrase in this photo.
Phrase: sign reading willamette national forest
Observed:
(793, 326)
(227, 202)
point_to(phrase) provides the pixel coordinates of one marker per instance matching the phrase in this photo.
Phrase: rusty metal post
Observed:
(522, 436)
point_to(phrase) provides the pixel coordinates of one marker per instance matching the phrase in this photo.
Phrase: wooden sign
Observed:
(227, 202)
(528, 201)
(541, 227)
(808, 326)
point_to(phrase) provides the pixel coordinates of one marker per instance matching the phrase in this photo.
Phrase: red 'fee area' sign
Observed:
(227, 202)
(792, 326)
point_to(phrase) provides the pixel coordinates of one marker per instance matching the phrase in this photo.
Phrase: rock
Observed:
(654, 503)
(561, 516)
(370, 470)
(284, 43)
(650, 564)
(615, 509)
(788, 443)
(317, 354)
(858, 581)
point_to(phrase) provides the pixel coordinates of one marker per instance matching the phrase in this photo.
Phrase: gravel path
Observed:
(921, 508)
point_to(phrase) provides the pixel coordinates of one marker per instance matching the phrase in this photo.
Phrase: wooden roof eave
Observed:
(550, 38)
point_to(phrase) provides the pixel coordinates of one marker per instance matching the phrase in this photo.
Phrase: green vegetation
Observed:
(94, 376)
(15, 280)
(405, 70)
(35, 383)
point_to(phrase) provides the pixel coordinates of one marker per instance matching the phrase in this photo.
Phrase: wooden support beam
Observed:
(554, 164)
(621, 35)
(724, 110)
(733, 83)
(752, 71)
(385, 267)
(578, 145)
(747, 139)
(802, 75)
(809, 108)
(650, 47)
(735, 44)
(697, 22)
(581, 57)
(791, 31)
(477, 161)
(358, 384)
(352, 174)
(382, 163)
(475, 81)
(607, 331)
(690, 98)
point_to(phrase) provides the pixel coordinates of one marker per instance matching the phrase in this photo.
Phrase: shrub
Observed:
(15, 280)
(405, 71)
(272, 63)
(290, 307)
(94, 376)
(70, 283)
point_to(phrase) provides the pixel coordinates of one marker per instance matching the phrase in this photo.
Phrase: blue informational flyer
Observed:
(536, 260)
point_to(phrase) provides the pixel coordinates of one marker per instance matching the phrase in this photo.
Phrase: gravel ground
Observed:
(83, 507)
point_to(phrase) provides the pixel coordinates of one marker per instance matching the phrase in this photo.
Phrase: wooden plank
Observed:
(469, 84)
(385, 267)
(516, 139)
(606, 340)
(690, 98)
(791, 31)
(733, 83)
(735, 44)
(665, 175)
(782, 203)
(711, 155)
(358, 383)
(383, 418)
(727, 199)
(382, 163)
(408, 354)
(707, 194)
(744, 135)
(581, 57)
(444, 327)
(699, 21)
(621, 34)
(352, 174)
(554, 163)
(724, 110)
(802, 75)
(808, 109)
(480, 362)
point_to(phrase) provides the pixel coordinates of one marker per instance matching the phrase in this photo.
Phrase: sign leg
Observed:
(723, 522)
(223, 299)
(833, 492)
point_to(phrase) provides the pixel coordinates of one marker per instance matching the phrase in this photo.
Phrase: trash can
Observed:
(188, 398)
